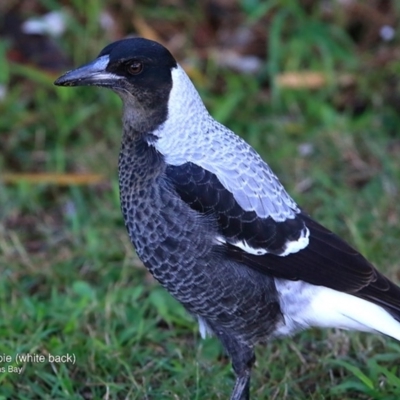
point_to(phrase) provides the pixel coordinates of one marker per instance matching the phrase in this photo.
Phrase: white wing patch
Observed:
(242, 244)
(297, 245)
(219, 240)
(290, 246)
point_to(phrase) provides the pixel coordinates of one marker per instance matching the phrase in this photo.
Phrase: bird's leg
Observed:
(242, 366)
(243, 359)
(241, 390)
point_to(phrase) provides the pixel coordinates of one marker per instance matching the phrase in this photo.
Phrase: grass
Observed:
(71, 282)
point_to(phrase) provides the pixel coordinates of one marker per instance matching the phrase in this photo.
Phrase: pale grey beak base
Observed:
(91, 74)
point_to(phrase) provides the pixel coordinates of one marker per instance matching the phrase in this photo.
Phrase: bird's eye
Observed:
(135, 67)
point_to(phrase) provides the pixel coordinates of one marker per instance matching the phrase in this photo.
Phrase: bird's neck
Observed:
(187, 123)
(139, 163)
(138, 120)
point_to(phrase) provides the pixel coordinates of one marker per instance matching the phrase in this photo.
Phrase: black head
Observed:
(137, 61)
(138, 69)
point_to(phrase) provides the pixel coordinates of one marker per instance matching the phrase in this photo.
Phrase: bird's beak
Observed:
(91, 74)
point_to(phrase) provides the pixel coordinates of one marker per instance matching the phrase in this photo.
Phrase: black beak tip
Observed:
(61, 81)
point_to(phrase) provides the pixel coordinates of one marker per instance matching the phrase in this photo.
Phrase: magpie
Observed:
(213, 224)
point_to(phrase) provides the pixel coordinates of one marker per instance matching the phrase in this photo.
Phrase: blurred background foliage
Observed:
(312, 85)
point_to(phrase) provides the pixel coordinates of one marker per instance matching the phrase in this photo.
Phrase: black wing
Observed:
(203, 191)
(327, 260)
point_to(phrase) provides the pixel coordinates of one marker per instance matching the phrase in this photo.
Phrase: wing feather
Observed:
(262, 243)
(203, 191)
